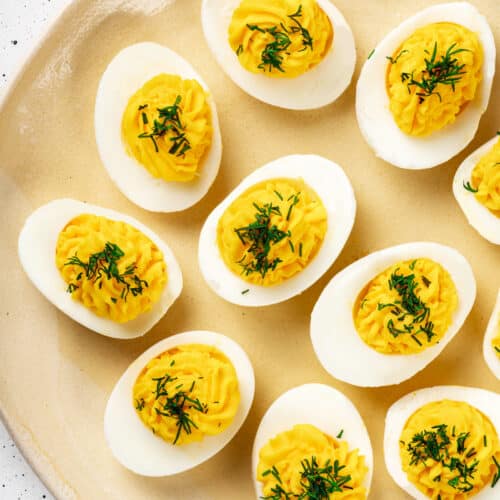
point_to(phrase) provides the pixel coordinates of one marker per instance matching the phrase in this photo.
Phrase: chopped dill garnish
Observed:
(244, 292)
(316, 483)
(435, 444)
(408, 305)
(239, 50)
(467, 186)
(340, 434)
(177, 404)
(444, 71)
(496, 476)
(272, 55)
(300, 249)
(497, 349)
(396, 59)
(104, 264)
(426, 281)
(412, 265)
(290, 244)
(278, 194)
(139, 404)
(371, 53)
(295, 200)
(168, 121)
(260, 235)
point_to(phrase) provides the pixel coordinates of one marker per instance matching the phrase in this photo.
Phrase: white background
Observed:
(22, 22)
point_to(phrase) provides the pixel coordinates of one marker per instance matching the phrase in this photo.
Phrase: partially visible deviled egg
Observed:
(295, 54)
(156, 128)
(443, 442)
(179, 403)
(278, 232)
(421, 93)
(393, 312)
(104, 269)
(312, 439)
(476, 187)
(491, 343)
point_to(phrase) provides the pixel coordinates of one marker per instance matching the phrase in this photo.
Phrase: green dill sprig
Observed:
(394, 60)
(437, 445)
(261, 234)
(317, 483)
(176, 404)
(443, 71)
(409, 305)
(168, 121)
(496, 476)
(272, 55)
(104, 264)
(467, 186)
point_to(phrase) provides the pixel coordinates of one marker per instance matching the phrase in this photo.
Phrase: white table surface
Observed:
(22, 22)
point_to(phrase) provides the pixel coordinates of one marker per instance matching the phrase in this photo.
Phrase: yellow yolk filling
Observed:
(472, 440)
(176, 149)
(286, 452)
(196, 380)
(121, 296)
(290, 216)
(486, 179)
(259, 27)
(420, 115)
(392, 320)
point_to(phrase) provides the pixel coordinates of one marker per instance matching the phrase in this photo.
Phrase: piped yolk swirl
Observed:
(272, 231)
(282, 38)
(195, 380)
(142, 268)
(422, 108)
(167, 127)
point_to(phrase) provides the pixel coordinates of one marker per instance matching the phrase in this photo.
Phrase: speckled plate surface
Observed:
(55, 376)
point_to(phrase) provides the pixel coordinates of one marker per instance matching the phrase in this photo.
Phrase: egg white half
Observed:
(125, 75)
(492, 360)
(372, 102)
(37, 252)
(479, 217)
(136, 447)
(485, 401)
(322, 406)
(317, 87)
(335, 339)
(331, 185)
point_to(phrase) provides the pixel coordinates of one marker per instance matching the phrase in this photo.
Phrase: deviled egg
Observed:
(491, 342)
(422, 92)
(179, 403)
(393, 311)
(312, 437)
(476, 187)
(277, 232)
(443, 442)
(104, 269)
(157, 129)
(295, 54)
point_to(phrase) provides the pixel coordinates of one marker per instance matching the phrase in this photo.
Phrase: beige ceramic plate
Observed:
(55, 376)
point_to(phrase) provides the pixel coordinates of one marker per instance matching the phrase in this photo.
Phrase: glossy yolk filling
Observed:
(426, 96)
(272, 231)
(406, 308)
(290, 458)
(448, 450)
(186, 393)
(110, 267)
(282, 38)
(167, 127)
(485, 179)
